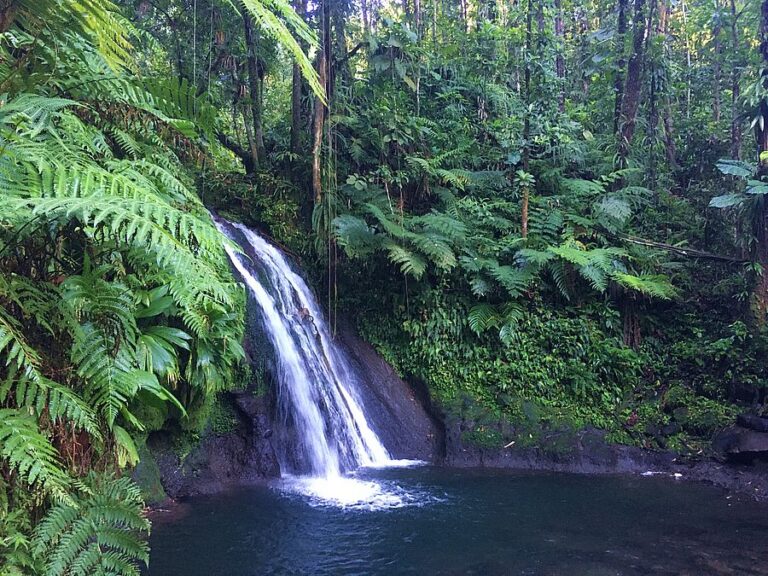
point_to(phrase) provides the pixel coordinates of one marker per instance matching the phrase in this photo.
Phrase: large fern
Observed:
(27, 451)
(95, 533)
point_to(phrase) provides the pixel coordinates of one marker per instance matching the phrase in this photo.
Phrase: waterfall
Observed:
(317, 393)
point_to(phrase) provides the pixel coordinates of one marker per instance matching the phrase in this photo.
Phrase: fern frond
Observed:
(98, 534)
(354, 235)
(29, 453)
(28, 387)
(655, 286)
(481, 317)
(410, 263)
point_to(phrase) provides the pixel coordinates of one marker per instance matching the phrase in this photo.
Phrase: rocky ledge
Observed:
(738, 463)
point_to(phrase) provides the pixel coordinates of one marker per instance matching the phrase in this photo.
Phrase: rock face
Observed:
(741, 443)
(399, 413)
(219, 461)
(584, 452)
(756, 423)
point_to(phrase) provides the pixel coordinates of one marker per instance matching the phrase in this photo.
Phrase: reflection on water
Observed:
(467, 523)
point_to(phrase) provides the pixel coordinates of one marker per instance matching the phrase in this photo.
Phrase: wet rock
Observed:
(741, 440)
(218, 461)
(752, 422)
(399, 413)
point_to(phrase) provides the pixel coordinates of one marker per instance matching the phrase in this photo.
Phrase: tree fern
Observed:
(409, 262)
(481, 317)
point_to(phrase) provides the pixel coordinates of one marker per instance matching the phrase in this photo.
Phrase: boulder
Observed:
(243, 455)
(738, 440)
(752, 422)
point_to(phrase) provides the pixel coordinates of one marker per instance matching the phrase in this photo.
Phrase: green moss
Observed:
(222, 416)
(483, 437)
(147, 476)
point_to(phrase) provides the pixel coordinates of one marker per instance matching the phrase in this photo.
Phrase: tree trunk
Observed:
(254, 86)
(8, 9)
(631, 100)
(716, 67)
(320, 108)
(735, 91)
(297, 89)
(584, 52)
(760, 295)
(339, 70)
(670, 149)
(560, 59)
(621, 62)
(527, 121)
(653, 123)
(687, 60)
(631, 322)
(655, 86)
(366, 18)
(252, 148)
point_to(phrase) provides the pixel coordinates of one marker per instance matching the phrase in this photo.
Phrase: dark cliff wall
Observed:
(398, 412)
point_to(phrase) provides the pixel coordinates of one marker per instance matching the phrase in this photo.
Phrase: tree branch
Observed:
(688, 252)
(237, 150)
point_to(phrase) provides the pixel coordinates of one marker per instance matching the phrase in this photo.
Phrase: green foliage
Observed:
(564, 364)
(29, 453)
(95, 534)
(117, 309)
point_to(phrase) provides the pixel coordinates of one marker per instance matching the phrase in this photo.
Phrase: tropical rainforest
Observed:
(551, 214)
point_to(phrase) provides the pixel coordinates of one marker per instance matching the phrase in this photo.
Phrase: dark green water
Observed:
(471, 523)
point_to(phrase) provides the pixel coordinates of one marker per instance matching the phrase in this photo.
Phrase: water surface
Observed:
(451, 522)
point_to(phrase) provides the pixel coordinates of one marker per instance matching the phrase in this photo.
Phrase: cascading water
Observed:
(317, 395)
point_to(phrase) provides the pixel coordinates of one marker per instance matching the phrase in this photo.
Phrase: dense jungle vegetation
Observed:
(550, 213)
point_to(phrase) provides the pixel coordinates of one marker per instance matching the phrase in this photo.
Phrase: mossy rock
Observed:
(147, 475)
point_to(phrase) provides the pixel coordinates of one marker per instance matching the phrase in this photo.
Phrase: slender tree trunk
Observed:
(735, 90)
(716, 66)
(666, 117)
(560, 58)
(297, 89)
(584, 51)
(655, 85)
(621, 62)
(320, 108)
(339, 70)
(366, 17)
(540, 23)
(254, 85)
(631, 322)
(760, 296)
(527, 122)
(631, 100)
(687, 60)
(653, 123)
(252, 148)
(8, 10)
